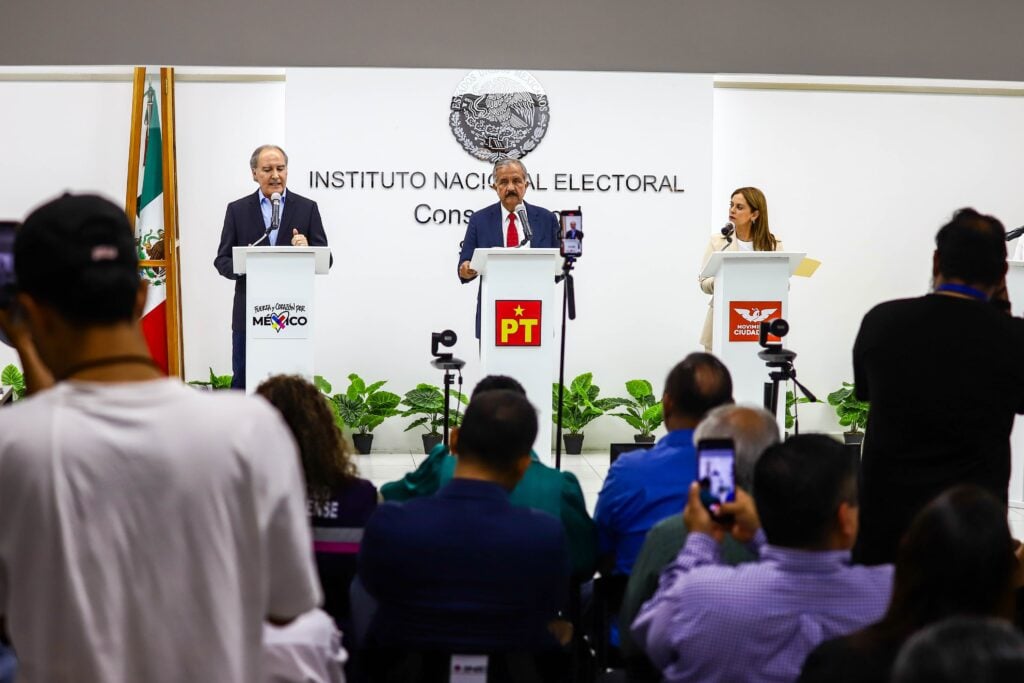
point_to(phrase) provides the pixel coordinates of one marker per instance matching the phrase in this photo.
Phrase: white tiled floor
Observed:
(589, 468)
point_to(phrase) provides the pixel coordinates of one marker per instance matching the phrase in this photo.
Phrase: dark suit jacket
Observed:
(486, 230)
(464, 570)
(243, 225)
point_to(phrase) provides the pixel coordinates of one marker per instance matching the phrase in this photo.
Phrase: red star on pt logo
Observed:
(517, 323)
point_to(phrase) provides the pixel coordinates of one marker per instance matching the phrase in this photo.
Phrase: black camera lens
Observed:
(779, 327)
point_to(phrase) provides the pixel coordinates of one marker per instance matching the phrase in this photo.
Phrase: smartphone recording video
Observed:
(716, 473)
(571, 242)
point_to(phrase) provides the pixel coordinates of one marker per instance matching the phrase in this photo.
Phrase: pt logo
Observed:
(517, 323)
(745, 318)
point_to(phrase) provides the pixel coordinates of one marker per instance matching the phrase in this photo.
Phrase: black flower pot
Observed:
(853, 438)
(573, 443)
(640, 438)
(362, 442)
(429, 441)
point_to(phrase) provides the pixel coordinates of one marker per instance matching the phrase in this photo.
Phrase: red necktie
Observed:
(512, 236)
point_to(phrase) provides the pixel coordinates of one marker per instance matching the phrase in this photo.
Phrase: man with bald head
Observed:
(249, 221)
(644, 487)
(499, 226)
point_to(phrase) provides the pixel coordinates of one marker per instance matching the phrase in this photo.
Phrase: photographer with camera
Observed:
(944, 378)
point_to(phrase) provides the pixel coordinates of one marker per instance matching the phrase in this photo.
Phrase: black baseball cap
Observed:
(77, 254)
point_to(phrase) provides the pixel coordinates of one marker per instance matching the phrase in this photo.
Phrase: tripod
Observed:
(568, 311)
(448, 363)
(781, 359)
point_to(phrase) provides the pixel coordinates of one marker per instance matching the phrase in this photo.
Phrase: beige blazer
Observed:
(707, 284)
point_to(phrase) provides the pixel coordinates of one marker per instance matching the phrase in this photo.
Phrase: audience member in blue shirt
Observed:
(644, 487)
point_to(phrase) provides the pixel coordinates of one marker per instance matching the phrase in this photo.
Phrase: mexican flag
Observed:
(149, 234)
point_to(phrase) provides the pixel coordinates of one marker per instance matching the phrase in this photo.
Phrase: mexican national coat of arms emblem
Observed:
(499, 114)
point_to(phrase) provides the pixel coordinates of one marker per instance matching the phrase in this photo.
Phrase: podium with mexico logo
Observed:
(520, 315)
(750, 288)
(280, 314)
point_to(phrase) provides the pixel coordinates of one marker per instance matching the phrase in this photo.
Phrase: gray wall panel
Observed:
(910, 38)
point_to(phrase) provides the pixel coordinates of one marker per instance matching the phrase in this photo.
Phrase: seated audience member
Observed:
(542, 488)
(308, 650)
(962, 649)
(757, 621)
(929, 430)
(957, 559)
(146, 529)
(339, 503)
(752, 430)
(463, 570)
(646, 486)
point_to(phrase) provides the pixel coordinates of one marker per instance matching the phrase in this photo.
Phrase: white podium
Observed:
(1015, 289)
(520, 319)
(280, 315)
(750, 287)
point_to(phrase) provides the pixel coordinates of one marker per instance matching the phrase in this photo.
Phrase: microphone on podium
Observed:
(727, 232)
(275, 214)
(524, 221)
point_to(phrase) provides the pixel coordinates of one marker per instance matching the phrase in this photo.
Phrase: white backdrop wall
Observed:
(394, 279)
(859, 180)
(863, 181)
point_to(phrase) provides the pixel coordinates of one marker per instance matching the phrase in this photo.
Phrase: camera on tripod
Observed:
(774, 355)
(779, 362)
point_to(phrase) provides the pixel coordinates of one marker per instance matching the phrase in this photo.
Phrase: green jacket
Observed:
(541, 488)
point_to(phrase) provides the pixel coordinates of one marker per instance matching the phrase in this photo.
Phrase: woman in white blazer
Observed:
(748, 213)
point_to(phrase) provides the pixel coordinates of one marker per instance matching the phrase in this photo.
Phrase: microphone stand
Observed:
(568, 310)
(266, 234)
(1014, 234)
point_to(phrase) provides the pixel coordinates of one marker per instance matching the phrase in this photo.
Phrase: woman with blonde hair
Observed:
(748, 216)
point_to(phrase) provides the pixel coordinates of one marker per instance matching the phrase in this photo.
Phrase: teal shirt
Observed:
(542, 488)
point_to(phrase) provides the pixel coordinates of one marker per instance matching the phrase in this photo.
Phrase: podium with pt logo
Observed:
(520, 319)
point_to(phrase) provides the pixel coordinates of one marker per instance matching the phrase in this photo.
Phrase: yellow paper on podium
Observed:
(806, 267)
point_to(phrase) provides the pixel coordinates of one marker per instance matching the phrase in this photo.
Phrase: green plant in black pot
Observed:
(362, 408)
(851, 411)
(643, 410)
(427, 401)
(580, 407)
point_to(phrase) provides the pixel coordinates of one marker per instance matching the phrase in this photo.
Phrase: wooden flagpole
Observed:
(175, 351)
(131, 199)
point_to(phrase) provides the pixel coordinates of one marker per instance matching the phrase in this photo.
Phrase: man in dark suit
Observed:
(463, 570)
(247, 221)
(498, 226)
